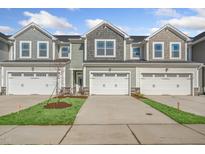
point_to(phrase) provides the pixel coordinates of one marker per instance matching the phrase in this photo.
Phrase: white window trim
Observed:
(114, 52)
(170, 50)
(153, 50)
(131, 52)
(30, 49)
(47, 44)
(60, 53)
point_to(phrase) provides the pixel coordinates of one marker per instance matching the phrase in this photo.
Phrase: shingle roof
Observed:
(65, 38)
(199, 36)
(3, 36)
(138, 38)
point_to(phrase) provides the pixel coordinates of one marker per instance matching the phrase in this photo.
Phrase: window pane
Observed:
(158, 47)
(100, 52)
(175, 50)
(43, 49)
(43, 46)
(65, 51)
(25, 49)
(25, 53)
(25, 45)
(158, 50)
(136, 52)
(109, 52)
(100, 44)
(158, 54)
(110, 44)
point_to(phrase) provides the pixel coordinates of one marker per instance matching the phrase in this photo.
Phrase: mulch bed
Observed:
(57, 105)
(137, 96)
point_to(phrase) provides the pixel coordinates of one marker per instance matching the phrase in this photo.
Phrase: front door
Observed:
(79, 81)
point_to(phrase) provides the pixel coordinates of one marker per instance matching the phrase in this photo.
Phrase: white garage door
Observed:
(109, 83)
(165, 84)
(28, 83)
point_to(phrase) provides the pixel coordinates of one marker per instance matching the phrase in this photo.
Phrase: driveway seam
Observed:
(134, 135)
(65, 134)
(193, 129)
(8, 131)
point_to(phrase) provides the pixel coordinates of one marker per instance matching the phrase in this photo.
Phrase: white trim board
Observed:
(69, 53)
(47, 46)
(20, 49)
(153, 51)
(170, 50)
(32, 24)
(171, 27)
(111, 25)
(131, 52)
(104, 56)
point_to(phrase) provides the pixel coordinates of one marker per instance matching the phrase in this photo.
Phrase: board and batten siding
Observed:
(4, 51)
(77, 50)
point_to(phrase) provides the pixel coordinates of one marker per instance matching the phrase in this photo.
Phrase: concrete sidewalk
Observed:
(104, 134)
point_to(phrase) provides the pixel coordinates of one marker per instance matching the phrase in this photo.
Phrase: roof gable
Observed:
(173, 29)
(36, 26)
(116, 29)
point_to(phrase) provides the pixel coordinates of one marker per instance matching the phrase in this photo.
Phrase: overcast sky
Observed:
(79, 21)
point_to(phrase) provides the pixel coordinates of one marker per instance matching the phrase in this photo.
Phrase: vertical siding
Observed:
(198, 52)
(76, 55)
(4, 51)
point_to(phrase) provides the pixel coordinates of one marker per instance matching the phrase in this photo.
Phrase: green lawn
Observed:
(177, 115)
(38, 115)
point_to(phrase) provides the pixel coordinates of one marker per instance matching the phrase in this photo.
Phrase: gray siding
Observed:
(33, 36)
(76, 55)
(198, 55)
(198, 52)
(166, 36)
(4, 51)
(104, 33)
(68, 76)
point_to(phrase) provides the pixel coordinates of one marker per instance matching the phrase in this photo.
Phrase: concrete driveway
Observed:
(118, 110)
(193, 104)
(9, 104)
(109, 120)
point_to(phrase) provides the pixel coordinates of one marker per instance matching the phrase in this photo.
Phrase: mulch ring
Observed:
(64, 96)
(137, 96)
(57, 105)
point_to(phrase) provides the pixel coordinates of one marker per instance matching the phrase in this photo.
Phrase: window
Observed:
(25, 49)
(65, 52)
(42, 49)
(105, 48)
(136, 51)
(175, 50)
(158, 50)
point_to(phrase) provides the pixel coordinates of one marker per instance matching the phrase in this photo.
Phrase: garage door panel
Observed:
(109, 84)
(29, 84)
(171, 85)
